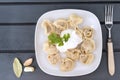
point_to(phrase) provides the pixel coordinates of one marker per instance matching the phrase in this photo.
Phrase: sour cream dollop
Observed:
(72, 42)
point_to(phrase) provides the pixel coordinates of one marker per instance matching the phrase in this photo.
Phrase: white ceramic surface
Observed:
(80, 69)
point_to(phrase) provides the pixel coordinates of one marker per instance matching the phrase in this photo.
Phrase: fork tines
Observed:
(109, 14)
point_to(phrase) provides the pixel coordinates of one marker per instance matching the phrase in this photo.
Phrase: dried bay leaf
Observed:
(17, 67)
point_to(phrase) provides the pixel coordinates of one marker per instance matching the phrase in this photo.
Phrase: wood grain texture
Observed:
(29, 13)
(21, 37)
(17, 37)
(6, 72)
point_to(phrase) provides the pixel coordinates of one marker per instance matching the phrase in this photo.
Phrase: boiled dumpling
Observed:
(54, 58)
(88, 32)
(61, 24)
(48, 26)
(49, 48)
(73, 54)
(82, 49)
(75, 19)
(67, 64)
(86, 58)
(71, 25)
(88, 45)
(79, 31)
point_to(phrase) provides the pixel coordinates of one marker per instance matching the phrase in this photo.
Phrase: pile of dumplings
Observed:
(82, 53)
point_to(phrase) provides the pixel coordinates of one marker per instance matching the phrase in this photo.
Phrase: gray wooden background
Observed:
(17, 27)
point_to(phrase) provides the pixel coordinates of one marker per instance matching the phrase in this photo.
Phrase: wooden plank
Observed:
(17, 37)
(7, 1)
(30, 13)
(6, 70)
(21, 37)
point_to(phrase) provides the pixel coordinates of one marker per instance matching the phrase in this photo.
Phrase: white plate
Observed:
(89, 20)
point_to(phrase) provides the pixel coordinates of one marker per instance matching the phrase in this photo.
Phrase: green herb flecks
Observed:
(66, 37)
(56, 39)
(61, 44)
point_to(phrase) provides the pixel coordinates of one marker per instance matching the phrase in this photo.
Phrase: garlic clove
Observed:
(28, 62)
(29, 69)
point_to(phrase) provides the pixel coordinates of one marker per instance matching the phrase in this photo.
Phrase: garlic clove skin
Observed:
(28, 62)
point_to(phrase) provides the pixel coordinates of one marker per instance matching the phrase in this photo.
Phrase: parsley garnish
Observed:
(66, 37)
(56, 39)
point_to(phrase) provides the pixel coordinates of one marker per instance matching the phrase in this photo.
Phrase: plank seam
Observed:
(33, 51)
(17, 51)
(17, 24)
(34, 23)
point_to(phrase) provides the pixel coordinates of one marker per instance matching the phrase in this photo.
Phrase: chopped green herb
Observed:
(66, 37)
(56, 39)
(61, 44)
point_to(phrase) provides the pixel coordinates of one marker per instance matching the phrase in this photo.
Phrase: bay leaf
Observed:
(17, 67)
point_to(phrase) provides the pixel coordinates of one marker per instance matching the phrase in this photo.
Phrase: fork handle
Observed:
(111, 63)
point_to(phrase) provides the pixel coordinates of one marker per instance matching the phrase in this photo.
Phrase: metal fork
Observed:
(109, 25)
